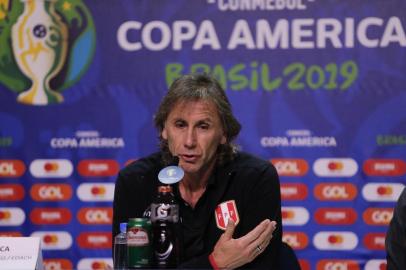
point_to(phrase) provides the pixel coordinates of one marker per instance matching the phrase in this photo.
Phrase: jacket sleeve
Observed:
(396, 236)
(264, 201)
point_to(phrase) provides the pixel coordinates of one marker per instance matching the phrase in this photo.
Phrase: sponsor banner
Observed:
(51, 168)
(51, 216)
(54, 240)
(57, 264)
(290, 167)
(98, 168)
(294, 216)
(335, 167)
(95, 240)
(382, 192)
(374, 241)
(51, 192)
(94, 263)
(335, 216)
(378, 216)
(335, 264)
(334, 240)
(11, 216)
(95, 215)
(96, 192)
(384, 167)
(11, 192)
(376, 264)
(335, 191)
(297, 240)
(293, 191)
(11, 168)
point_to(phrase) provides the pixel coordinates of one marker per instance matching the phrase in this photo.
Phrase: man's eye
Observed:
(204, 126)
(180, 124)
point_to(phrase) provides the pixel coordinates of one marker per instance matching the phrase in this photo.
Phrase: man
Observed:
(395, 242)
(196, 125)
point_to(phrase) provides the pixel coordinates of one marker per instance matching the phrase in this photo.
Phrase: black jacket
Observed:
(396, 236)
(251, 182)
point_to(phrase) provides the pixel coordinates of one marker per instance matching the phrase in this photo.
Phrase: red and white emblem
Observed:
(224, 211)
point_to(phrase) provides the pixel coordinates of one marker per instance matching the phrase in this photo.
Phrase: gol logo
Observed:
(293, 191)
(94, 263)
(97, 168)
(294, 216)
(51, 192)
(93, 240)
(304, 264)
(335, 191)
(335, 216)
(375, 241)
(96, 192)
(11, 168)
(51, 216)
(95, 216)
(56, 240)
(57, 264)
(384, 167)
(378, 216)
(297, 240)
(382, 192)
(11, 216)
(11, 192)
(290, 167)
(335, 240)
(375, 265)
(337, 265)
(335, 167)
(51, 168)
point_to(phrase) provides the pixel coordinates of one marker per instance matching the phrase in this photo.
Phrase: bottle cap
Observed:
(123, 227)
(171, 175)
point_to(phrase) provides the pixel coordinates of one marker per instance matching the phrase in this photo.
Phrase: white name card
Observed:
(20, 253)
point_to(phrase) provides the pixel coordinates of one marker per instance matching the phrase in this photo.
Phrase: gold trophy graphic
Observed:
(39, 42)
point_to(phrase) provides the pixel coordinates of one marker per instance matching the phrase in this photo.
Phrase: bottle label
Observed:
(165, 212)
(137, 237)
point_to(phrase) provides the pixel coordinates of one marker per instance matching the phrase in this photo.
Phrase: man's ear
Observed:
(223, 139)
(164, 134)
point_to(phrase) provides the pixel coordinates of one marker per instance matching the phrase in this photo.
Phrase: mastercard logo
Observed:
(294, 216)
(95, 216)
(94, 263)
(290, 167)
(50, 216)
(335, 192)
(11, 168)
(293, 191)
(335, 216)
(378, 216)
(51, 168)
(95, 240)
(374, 241)
(11, 192)
(297, 240)
(384, 167)
(335, 167)
(51, 192)
(328, 264)
(96, 192)
(98, 168)
(57, 264)
(335, 240)
(11, 216)
(55, 240)
(382, 192)
(376, 264)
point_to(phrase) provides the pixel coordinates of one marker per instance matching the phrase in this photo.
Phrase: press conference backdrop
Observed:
(319, 87)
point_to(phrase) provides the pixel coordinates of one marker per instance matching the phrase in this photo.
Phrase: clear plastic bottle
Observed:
(120, 248)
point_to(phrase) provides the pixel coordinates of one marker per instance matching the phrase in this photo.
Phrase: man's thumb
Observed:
(228, 234)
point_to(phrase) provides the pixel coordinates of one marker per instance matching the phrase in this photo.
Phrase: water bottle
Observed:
(120, 248)
(165, 219)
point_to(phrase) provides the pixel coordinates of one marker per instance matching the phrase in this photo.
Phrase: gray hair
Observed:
(195, 87)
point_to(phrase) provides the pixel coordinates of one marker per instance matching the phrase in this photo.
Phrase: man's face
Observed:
(194, 131)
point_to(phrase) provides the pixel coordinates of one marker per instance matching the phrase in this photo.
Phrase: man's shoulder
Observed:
(143, 166)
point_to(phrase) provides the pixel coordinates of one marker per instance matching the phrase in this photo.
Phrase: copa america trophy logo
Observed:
(52, 44)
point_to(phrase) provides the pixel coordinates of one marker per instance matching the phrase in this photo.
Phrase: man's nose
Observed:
(190, 140)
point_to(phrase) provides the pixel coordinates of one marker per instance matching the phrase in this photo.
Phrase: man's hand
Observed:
(231, 253)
